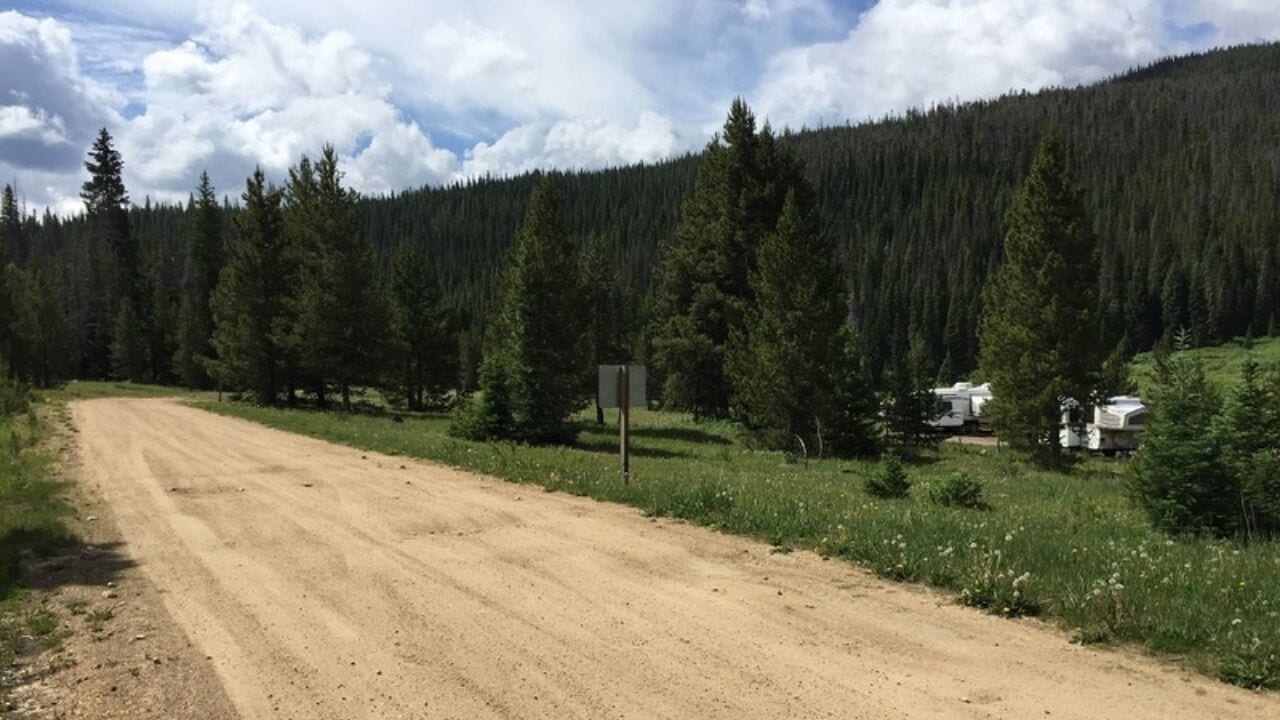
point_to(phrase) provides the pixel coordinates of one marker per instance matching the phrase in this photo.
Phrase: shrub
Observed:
(959, 490)
(1207, 466)
(890, 479)
(487, 417)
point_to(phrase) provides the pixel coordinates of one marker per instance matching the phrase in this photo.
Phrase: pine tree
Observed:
(1248, 431)
(704, 287)
(909, 403)
(116, 276)
(1038, 337)
(908, 409)
(534, 355)
(1247, 426)
(853, 401)
(204, 261)
(1180, 478)
(890, 480)
(13, 245)
(341, 313)
(423, 332)
(301, 265)
(249, 298)
(489, 416)
(786, 367)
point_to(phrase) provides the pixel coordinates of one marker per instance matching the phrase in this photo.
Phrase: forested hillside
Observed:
(1179, 164)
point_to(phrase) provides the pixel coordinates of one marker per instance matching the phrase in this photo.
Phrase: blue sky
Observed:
(415, 93)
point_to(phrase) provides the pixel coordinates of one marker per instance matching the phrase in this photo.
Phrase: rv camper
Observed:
(1112, 428)
(960, 408)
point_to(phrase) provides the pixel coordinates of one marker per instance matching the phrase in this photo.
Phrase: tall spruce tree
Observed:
(112, 333)
(704, 289)
(1182, 479)
(13, 245)
(204, 258)
(788, 364)
(341, 312)
(1038, 338)
(248, 301)
(301, 263)
(423, 331)
(531, 374)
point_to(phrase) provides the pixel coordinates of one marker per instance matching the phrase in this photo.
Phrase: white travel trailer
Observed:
(960, 408)
(1114, 427)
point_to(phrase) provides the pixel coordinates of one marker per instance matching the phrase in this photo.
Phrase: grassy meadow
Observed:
(1068, 547)
(1221, 362)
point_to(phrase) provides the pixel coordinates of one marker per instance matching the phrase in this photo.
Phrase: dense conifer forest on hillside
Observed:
(1178, 162)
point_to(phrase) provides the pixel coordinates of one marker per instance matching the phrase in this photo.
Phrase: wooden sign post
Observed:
(624, 423)
(622, 386)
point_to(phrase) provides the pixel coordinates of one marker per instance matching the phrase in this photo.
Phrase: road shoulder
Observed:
(116, 651)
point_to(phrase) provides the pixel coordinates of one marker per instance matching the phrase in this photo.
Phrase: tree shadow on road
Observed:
(47, 563)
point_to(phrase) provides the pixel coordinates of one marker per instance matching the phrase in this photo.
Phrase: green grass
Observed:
(1221, 362)
(32, 510)
(1069, 547)
(89, 389)
(32, 521)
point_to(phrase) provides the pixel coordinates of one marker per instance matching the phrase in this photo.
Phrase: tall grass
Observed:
(1069, 547)
(32, 510)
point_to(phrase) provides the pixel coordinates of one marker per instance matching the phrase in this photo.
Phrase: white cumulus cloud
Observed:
(247, 91)
(48, 109)
(414, 93)
(911, 53)
(575, 144)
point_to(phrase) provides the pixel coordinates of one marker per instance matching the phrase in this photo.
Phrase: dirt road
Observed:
(326, 582)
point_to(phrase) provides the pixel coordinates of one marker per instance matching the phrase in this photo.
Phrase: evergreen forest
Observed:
(1178, 166)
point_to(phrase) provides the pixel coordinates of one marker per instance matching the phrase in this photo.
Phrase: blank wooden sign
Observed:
(608, 388)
